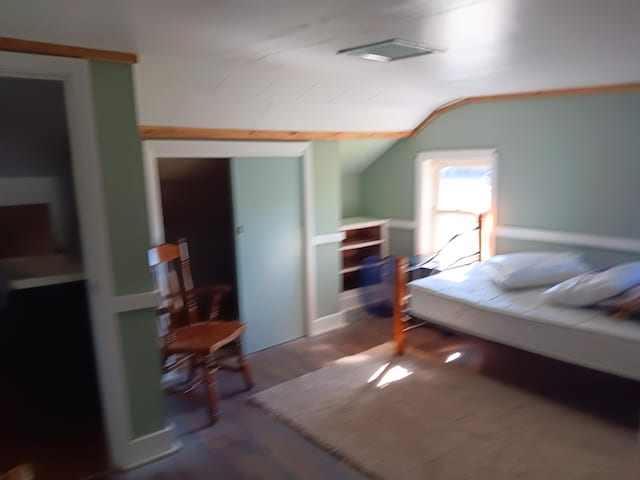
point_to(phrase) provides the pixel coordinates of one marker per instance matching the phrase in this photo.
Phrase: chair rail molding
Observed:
(400, 224)
(602, 242)
(135, 301)
(328, 238)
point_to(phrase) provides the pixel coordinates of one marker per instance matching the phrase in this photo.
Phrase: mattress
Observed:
(466, 300)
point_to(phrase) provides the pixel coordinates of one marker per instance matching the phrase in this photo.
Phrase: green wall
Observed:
(140, 350)
(326, 186)
(355, 156)
(350, 194)
(328, 207)
(400, 241)
(124, 192)
(596, 257)
(387, 185)
(327, 268)
(121, 156)
(565, 163)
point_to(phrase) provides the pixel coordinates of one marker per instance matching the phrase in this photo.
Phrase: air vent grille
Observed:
(389, 50)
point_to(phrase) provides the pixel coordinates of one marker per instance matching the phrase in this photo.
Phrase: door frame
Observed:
(154, 149)
(124, 450)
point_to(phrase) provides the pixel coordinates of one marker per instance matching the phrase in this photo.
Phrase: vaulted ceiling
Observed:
(272, 64)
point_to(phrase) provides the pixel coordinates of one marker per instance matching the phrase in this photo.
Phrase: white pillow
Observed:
(593, 287)
(533, 269)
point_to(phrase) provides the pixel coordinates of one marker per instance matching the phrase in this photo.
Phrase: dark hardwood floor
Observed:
(249, 444)
(50, 414)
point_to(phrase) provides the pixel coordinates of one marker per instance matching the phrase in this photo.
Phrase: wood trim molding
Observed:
(18, 45)
(350, 300)
(327, 323)
(152, 447)
(328, 238)
(402, 224)
(148, 132)
(34, 282)
(135, 301)
(562, 92)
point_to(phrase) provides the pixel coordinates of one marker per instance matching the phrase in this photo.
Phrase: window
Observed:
(455, 188)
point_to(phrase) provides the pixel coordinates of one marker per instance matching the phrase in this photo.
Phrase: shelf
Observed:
(350, 280)
(41, 271)
(360, 244)
(351, 269)
(355, 223)
(363, 237)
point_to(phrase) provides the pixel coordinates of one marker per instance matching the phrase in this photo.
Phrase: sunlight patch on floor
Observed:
(354, 359)
(386, 375)
(454, 356)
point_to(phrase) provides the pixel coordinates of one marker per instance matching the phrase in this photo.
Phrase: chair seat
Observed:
(203, 338)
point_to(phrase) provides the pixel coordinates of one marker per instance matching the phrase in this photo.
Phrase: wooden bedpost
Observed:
(399, 304)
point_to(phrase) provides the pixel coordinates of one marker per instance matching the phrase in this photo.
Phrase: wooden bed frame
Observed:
(401, 315)
(402, 318)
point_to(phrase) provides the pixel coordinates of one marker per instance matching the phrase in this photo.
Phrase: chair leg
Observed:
(192, 367)
(244, 366)
(210, 371)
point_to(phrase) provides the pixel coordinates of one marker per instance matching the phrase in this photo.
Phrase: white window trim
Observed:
(428, 163)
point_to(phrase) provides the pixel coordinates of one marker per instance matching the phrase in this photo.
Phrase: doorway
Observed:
(244, 216)
(197, 205)
(50, 404)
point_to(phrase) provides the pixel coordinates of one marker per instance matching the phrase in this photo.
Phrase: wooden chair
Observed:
(190, 334)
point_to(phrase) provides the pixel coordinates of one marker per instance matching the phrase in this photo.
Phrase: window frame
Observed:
(428, 167)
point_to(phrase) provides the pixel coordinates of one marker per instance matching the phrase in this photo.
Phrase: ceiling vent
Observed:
(389, 50)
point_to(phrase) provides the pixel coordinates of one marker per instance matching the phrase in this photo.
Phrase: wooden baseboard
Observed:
(327, 323)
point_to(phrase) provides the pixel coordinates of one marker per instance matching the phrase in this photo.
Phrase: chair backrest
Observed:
(171, 266)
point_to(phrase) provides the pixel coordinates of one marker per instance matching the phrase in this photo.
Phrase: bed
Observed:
(466, 300)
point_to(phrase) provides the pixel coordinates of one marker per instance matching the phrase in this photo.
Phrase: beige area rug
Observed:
(422, 420)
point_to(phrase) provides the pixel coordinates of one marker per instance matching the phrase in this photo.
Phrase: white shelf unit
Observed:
(363, 237)
(41, 270)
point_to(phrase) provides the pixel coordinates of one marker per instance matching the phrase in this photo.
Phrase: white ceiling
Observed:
(271, 64)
